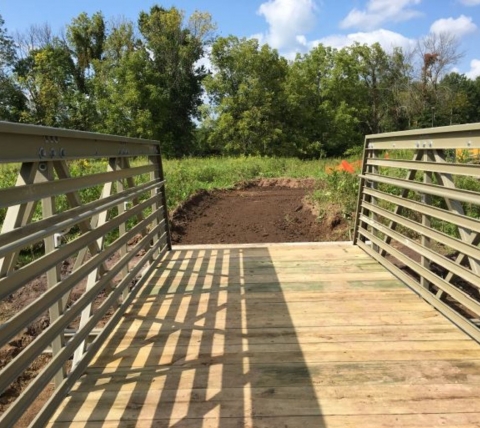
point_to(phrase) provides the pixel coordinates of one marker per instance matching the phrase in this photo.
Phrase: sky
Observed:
(291, 26)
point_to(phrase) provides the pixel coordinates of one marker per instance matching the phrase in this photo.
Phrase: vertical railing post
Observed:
(158, 174)
(360, 192)
(373, 200)
(426, 221)
(45, 170)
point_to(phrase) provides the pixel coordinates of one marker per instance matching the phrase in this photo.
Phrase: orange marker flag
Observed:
(347, 167)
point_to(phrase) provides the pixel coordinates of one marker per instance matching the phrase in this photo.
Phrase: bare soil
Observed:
(266, 211)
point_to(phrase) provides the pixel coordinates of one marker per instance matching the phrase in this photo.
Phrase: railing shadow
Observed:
(210, 337)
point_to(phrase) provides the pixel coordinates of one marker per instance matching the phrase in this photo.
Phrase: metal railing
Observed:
(93, 202)
(419, 215)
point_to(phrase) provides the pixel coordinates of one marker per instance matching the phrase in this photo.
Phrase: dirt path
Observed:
(256, 214)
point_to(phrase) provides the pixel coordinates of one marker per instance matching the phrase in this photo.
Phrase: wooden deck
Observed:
(278, 336)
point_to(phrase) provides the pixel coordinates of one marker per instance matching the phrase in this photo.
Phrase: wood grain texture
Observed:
(298, 336)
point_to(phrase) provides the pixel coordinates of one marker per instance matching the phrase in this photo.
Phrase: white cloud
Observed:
(460, 27)
(387, 39)
(474, 69)
(470, 2)
(205, 60)
(380, 11)
(288, 22)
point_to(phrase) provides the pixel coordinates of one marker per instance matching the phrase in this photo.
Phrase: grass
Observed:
(187, 176)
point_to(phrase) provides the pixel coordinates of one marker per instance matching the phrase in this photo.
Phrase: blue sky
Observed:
(291, 25)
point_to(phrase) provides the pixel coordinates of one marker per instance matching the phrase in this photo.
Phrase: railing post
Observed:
(426, 221)
(360, 196)
(45, 170)
(158, 174)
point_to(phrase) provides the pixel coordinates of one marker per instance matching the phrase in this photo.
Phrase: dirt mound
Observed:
(262, 211)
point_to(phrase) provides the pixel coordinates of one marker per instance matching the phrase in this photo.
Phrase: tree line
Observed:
(146, 79)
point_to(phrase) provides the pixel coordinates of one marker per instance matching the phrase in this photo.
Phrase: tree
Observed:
(436, 52)
(325, 101)
(456, 100)
(384, 77)
(12, 100)
(247, 92)
(47, 77)
(124, 85)
(86, 37)
(174, 49)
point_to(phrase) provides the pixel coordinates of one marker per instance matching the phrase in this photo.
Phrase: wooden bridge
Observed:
(381, 332)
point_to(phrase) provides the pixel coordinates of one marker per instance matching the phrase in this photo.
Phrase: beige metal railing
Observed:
(96, 202)
(419, 215)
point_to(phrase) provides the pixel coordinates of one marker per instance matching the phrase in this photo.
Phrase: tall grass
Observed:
(187, 176)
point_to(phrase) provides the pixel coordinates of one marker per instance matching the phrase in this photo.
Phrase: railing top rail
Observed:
(33, 143)
(45, 131)
(427, 132)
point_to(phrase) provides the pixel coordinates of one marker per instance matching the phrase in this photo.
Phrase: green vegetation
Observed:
(187, 176)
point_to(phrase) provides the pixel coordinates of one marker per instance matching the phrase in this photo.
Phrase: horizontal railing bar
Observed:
(447, 168)
(25, 274)
(25, 148)
(34, 232)
(457, 244)
(465, 130)
(45, 376)
(445, 144)
(52, 404)
(431, 189)
(12, 370)
(456, 293)
(34, 192)
(451, 217)
(43, 131)
(444, 309)
(70, 332)
(30, 143)
(27, 315)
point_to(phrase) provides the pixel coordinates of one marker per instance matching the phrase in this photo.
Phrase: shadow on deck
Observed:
(278, 336)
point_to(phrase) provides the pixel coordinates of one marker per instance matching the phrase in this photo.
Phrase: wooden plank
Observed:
(271, 246)
(232, 279)
(254, 263)
(451, 420)
(387, 392)
(194, 356)
(242, 303)
(265, 402)
(299, 318)
(355, 294)
(154, 287)
(139, 333)
(269, 270)
(376, 373)
(225, 347)
(263, 255)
